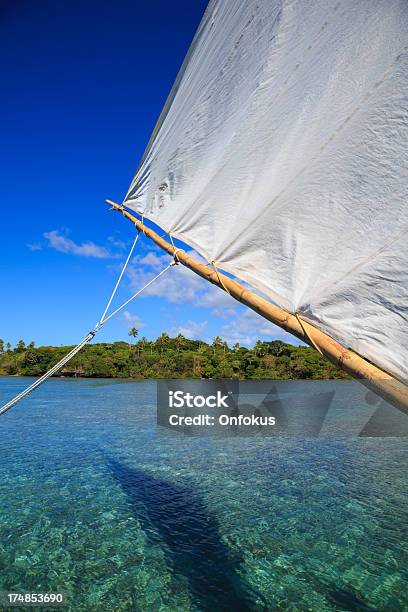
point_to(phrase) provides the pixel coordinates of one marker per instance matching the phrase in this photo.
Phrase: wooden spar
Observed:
(385, 385)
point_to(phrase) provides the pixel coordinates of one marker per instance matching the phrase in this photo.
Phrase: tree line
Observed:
(167, 357)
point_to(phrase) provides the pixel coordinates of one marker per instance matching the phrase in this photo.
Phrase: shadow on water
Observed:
(178, 517)
(346, 600)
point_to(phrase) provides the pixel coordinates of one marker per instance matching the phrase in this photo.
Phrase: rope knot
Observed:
(143, 224)
(175, 257)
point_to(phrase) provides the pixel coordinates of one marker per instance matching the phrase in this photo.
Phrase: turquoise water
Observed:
(98, 503)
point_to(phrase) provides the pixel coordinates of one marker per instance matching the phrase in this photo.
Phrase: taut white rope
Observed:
(120, 278)
(89, 336)
(138, 292)
(50, 372)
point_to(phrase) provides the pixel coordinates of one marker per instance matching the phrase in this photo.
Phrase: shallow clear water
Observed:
(98, 503)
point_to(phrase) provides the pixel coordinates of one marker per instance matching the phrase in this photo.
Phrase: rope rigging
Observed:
(103, 319)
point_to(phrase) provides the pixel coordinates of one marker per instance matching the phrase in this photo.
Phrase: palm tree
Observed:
(259, 348)
(217, 343)
(20, 346)
(143, 342)
(163, 340)
(179, 341)
(133, 332)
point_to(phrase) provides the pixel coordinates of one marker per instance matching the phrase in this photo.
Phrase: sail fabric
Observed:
(282, 155)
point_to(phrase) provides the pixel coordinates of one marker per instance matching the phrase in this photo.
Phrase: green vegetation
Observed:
(168, 357)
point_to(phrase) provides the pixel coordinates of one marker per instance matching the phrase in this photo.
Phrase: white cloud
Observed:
(174, 286)
(132, 319)
(34, 247)
(153, 260)
(119, 244)
(61, 243)
(224, 313)
(190, 329)
(181, 286)
(248, 327)
(178, 286)
(215, 298)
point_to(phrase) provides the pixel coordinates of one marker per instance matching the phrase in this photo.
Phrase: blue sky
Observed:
(83, 84)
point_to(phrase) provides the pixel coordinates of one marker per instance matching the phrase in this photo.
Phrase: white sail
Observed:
(282, 154)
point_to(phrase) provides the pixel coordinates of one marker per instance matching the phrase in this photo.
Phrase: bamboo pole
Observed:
(382, 383)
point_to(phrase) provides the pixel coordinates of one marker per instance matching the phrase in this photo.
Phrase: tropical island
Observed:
(168, 357)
